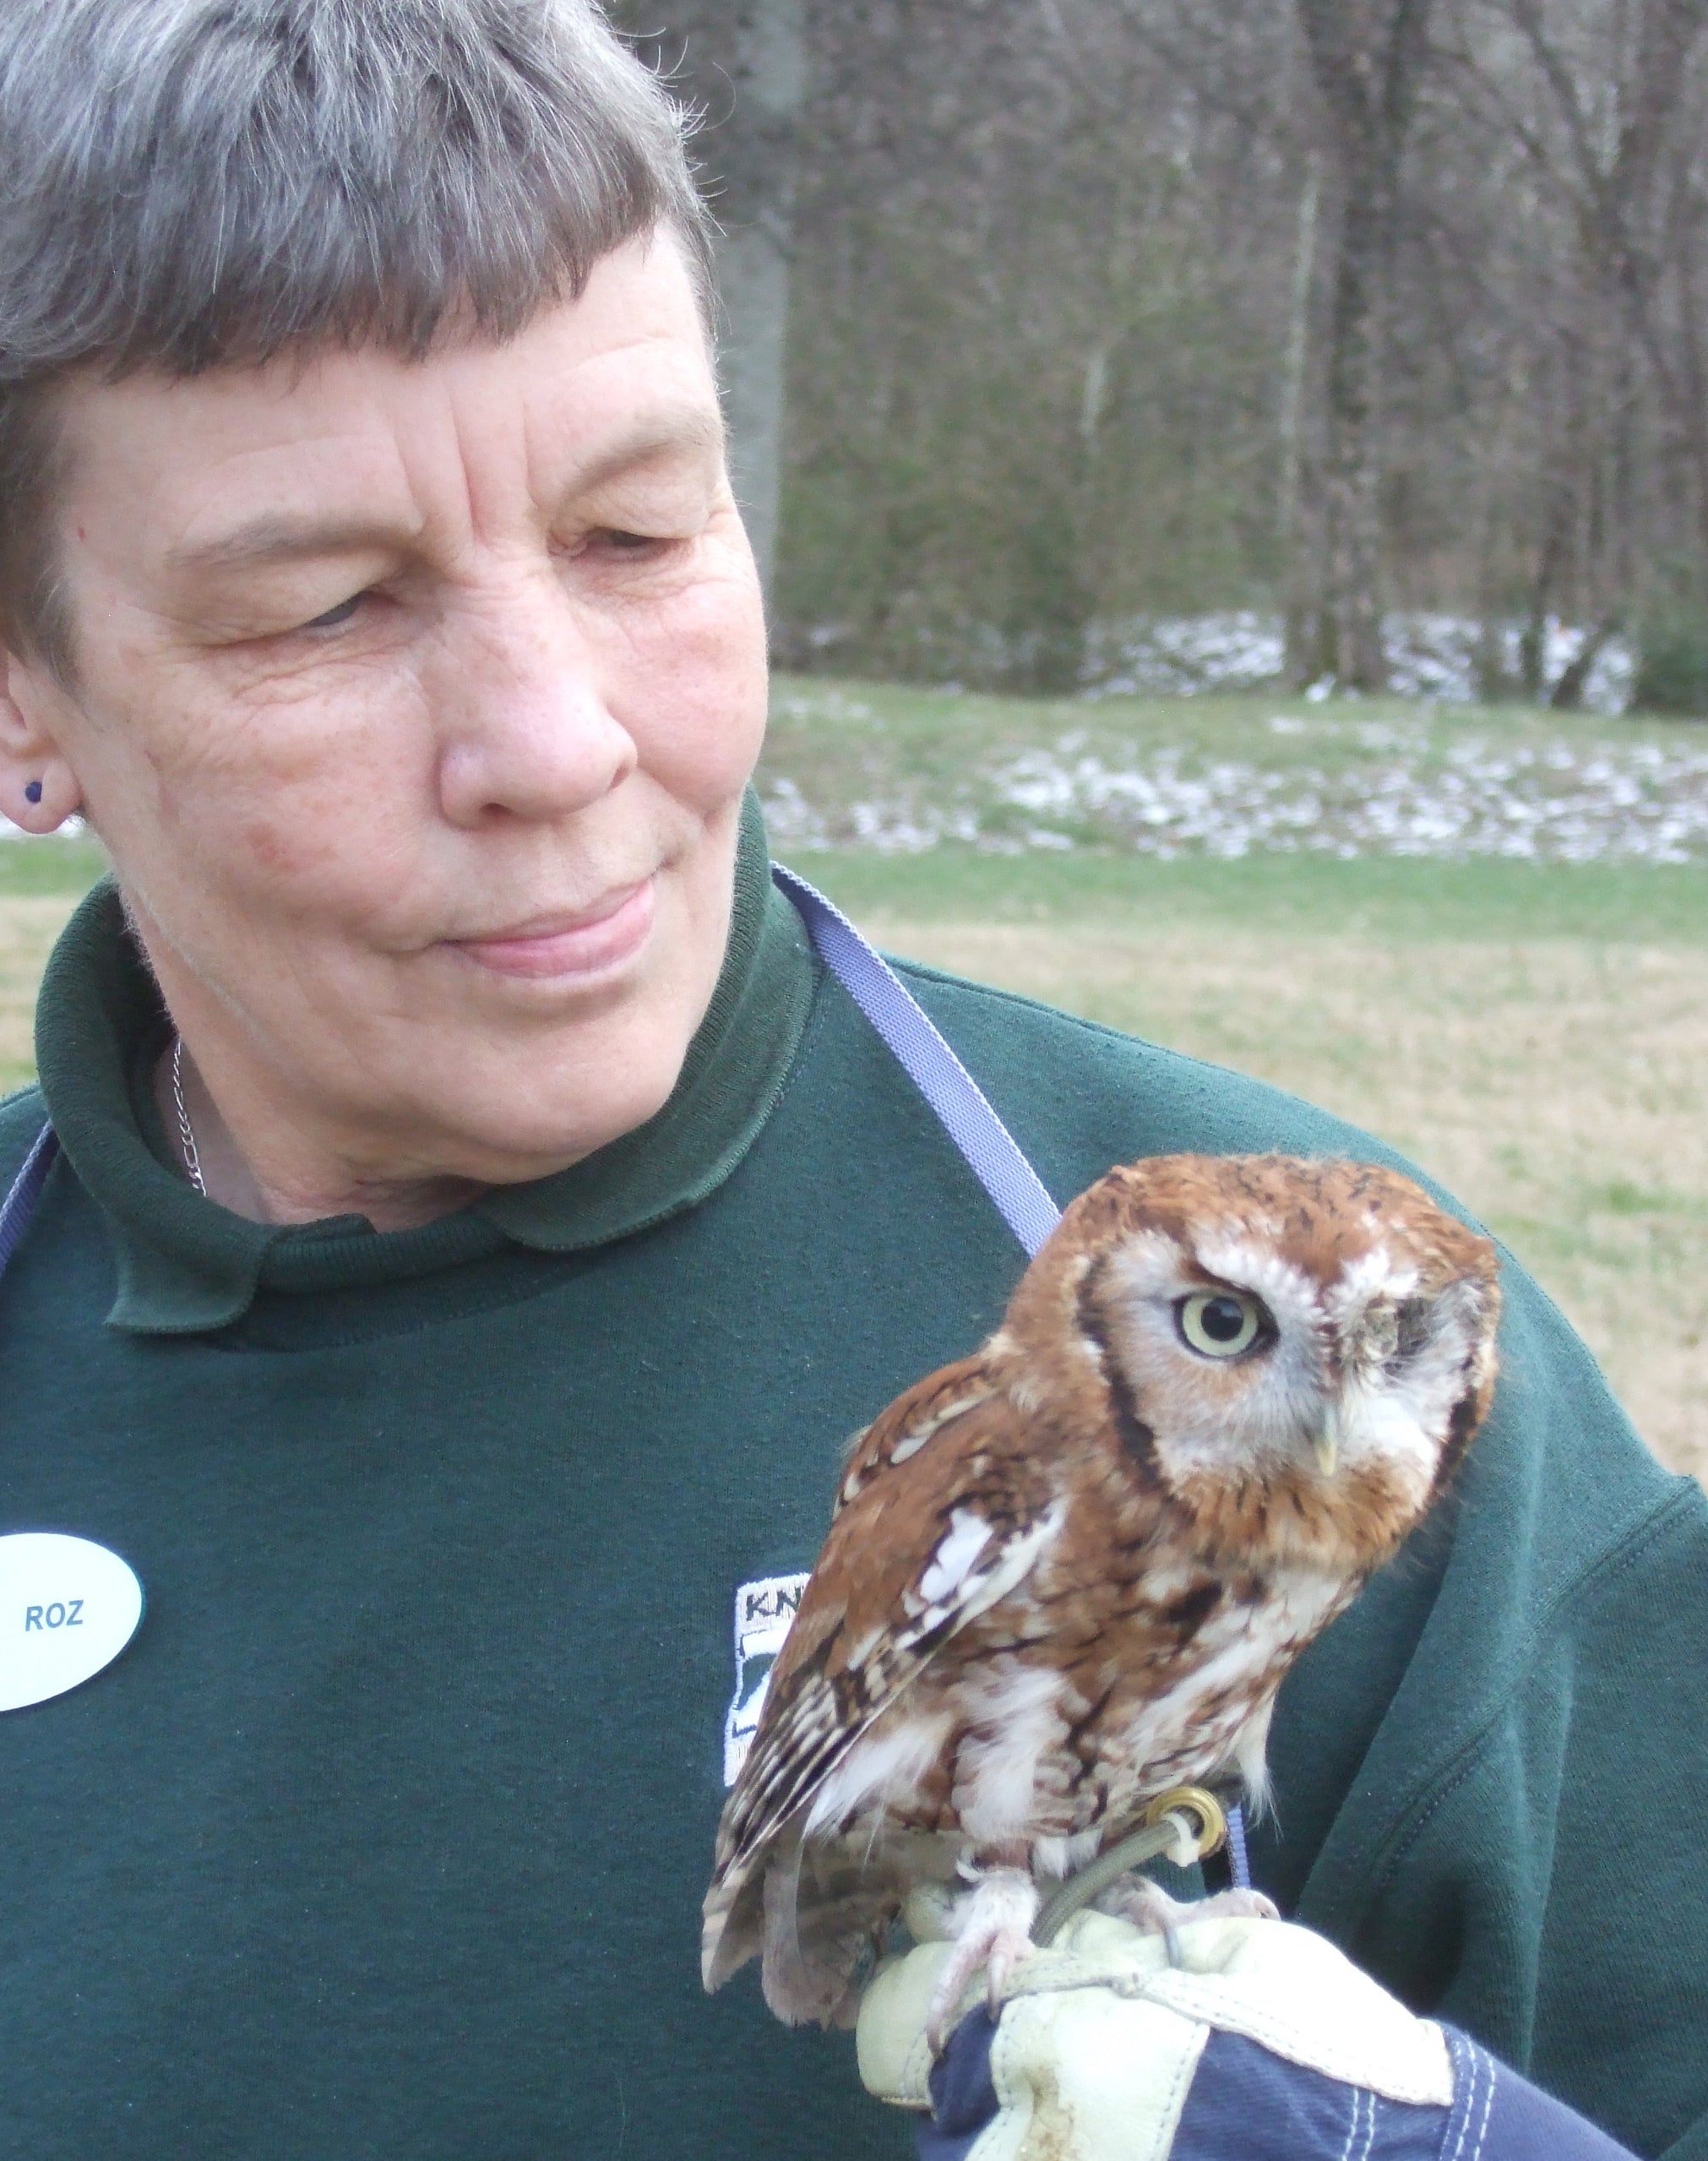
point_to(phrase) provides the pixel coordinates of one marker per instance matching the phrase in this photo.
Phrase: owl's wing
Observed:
(899, 1432)
(919, 1552)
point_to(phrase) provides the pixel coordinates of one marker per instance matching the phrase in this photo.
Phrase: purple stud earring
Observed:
(32, 792)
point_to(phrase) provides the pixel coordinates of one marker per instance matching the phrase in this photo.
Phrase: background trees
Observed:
(1106, 307)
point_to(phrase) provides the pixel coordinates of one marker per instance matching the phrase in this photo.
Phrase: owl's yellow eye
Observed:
(1222, 1324)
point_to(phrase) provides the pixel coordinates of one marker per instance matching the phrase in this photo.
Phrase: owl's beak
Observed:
(1327, 1446)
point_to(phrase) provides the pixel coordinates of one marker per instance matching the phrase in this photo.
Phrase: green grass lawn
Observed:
(880, 728)
(1380, 896)
(46, 869)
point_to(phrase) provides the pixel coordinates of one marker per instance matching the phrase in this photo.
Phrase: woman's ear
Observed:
(38, 789)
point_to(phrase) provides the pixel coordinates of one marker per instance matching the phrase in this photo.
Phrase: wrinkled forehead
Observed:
(204, 475)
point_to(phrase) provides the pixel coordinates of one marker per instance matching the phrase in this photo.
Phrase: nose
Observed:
(519, 688)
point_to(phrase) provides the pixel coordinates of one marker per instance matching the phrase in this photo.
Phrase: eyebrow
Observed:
(279, 536)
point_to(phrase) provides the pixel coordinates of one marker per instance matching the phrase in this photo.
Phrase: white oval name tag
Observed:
(68, 1607)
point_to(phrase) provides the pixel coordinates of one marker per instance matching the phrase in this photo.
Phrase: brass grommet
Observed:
(1198, 1801)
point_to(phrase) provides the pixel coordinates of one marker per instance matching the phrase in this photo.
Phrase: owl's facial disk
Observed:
(1245, 1365)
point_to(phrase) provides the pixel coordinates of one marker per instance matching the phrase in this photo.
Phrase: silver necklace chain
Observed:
(187, 1139)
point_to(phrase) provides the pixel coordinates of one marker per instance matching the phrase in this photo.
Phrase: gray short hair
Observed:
(187, 184)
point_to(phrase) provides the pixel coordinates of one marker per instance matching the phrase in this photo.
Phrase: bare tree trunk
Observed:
(753, 263)
(1615, 178)
(1551, 559)
(1348, 639)
(1567, 695)
(1492, 476)
(1687, 394)
(1366, 57)
(744, 66)
(1296, 609)
(754, 298)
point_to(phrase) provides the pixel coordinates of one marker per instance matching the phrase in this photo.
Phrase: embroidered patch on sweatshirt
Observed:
(764, 1610)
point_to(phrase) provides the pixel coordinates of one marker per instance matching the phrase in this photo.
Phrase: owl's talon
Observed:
(1236, 1905)
(993, 1929)
(1148, 1906)
(1009, 1950)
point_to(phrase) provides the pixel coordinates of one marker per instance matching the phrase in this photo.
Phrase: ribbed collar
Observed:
(186, 1265)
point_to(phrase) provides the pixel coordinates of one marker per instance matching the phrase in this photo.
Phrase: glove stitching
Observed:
(1466, 2059)
(1178, 1992)
(1482, 2070)
(1352, 2129)
(916, 2073)
(1487, 2109)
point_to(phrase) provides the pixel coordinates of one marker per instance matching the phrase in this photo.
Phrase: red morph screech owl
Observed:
(1071, 1571)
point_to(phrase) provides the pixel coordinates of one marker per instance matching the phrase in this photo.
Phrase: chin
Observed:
(537, 1119)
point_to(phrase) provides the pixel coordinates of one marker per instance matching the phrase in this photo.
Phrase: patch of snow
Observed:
(1640, 802)
(1431, 656)
(1182, 656)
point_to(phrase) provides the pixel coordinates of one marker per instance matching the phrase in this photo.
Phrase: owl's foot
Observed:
(1233, 1905)
(992, 1925)
(1148, 1906)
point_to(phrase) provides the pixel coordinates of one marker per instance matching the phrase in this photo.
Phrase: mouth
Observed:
(589, 942)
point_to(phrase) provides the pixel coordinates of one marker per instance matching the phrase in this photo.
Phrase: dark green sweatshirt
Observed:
(386, 1837)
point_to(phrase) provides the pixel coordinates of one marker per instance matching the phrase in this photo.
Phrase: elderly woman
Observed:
(461, 1214)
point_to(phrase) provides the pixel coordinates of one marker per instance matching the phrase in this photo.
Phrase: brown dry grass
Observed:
(28, 928)
(1554, 1085)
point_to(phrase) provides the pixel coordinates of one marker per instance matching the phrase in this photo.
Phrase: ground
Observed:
(1520, 1003)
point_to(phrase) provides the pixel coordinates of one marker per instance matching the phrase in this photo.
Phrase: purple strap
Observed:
(18, 1206)
(990, 1151)
(1238, 1863)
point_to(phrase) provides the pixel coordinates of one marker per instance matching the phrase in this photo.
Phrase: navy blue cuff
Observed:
(963, 2100)
(1247, 2104)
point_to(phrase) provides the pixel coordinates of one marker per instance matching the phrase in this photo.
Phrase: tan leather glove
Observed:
(1104, 2051)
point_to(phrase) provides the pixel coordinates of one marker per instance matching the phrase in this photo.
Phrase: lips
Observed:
(553, 948)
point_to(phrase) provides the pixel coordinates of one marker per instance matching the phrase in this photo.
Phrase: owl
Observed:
(1071, 1571)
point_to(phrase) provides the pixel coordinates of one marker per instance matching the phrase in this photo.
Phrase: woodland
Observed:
(1042, 315)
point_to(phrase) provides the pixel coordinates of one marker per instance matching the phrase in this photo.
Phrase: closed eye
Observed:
(614, 541)
(335, 616)
(1411, 1327)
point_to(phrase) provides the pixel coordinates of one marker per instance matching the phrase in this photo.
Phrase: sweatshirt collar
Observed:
(185, 1265)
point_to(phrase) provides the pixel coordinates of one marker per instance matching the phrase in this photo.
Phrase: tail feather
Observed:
(732, 1933)
(818, 1915)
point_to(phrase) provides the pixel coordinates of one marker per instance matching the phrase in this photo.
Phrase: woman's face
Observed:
(415, 703)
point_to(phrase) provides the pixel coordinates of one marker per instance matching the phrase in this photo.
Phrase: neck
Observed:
(284, 1189)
